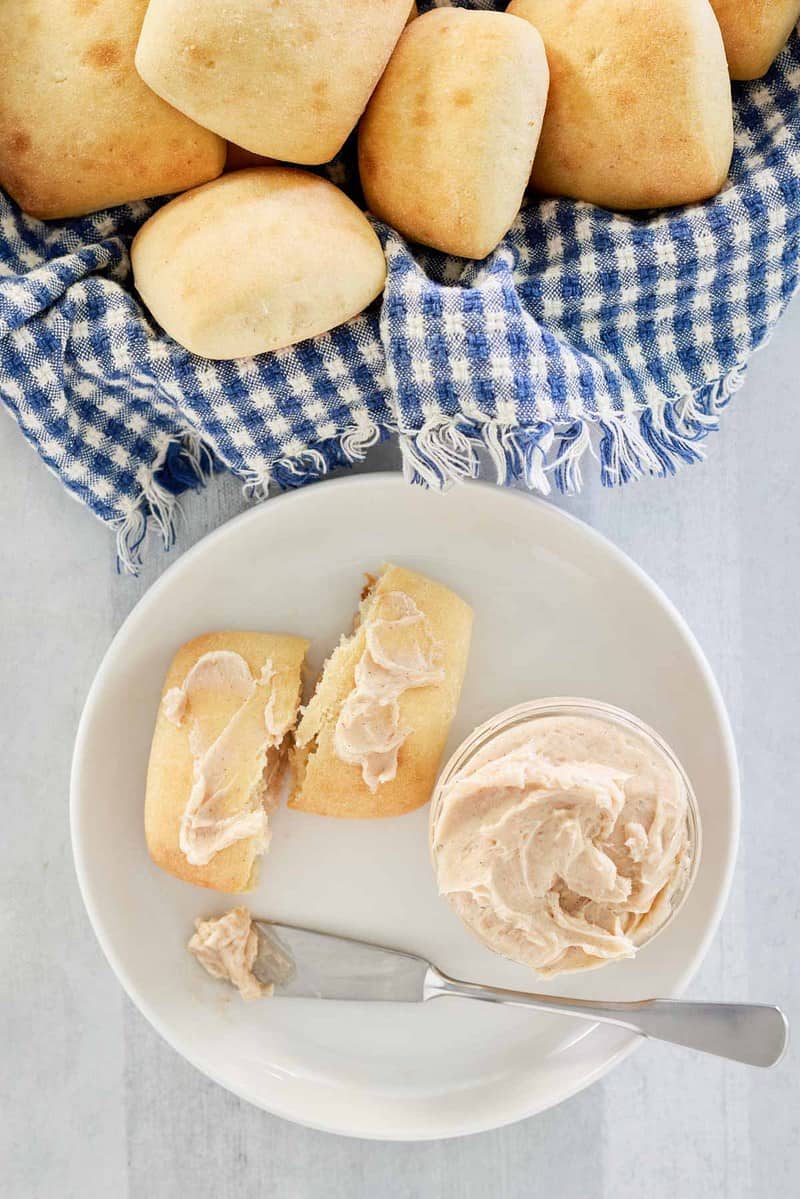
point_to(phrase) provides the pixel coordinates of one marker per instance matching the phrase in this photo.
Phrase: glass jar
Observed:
(469, 753)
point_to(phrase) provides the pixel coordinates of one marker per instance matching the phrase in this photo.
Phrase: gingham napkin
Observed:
(585, 332)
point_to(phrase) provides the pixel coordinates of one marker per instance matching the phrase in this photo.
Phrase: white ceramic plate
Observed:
(559, 611)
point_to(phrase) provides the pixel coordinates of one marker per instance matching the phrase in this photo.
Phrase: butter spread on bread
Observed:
(371, 738)
(400, 652)
(218, 755)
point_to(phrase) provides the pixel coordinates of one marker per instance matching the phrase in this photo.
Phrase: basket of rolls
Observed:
(262, 236)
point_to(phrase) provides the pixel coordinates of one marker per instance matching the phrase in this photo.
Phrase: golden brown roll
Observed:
(639, 113)
(370, 740)
(227, 709)
(256, 260)
(285, 80)
(754, 33)
(79, 130)
(446, 145)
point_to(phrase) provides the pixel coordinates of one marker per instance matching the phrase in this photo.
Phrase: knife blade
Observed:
(304, 964)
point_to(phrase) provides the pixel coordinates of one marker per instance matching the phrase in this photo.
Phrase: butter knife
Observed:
(302, 963)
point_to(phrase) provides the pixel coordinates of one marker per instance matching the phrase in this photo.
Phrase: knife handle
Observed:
(744, 1032)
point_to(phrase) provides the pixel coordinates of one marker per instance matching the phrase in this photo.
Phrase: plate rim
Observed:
(394, 479)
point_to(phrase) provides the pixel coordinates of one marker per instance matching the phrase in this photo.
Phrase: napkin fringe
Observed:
(654, 440)
(647, 441)
(183, 462)
(306, 465)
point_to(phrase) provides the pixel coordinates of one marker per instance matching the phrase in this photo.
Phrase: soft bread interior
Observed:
(333, 685)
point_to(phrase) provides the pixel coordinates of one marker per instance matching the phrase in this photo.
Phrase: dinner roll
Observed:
(219, 754)
(78, 128)
(446, 144)
(754, 32)
(287, 80)
(256, 260)
(639, 113)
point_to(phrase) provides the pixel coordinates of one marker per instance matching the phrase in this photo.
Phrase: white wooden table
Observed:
(94, 1104)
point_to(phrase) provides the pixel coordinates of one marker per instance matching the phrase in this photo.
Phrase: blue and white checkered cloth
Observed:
(585, 332)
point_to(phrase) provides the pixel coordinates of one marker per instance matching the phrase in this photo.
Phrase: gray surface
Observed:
(95, 1104)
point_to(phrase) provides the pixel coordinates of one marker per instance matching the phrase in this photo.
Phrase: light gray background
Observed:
(96, 1105)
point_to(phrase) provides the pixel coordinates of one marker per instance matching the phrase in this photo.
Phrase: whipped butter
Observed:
(238, 759)
(400, 653)
(562, 843)
(226, 946)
